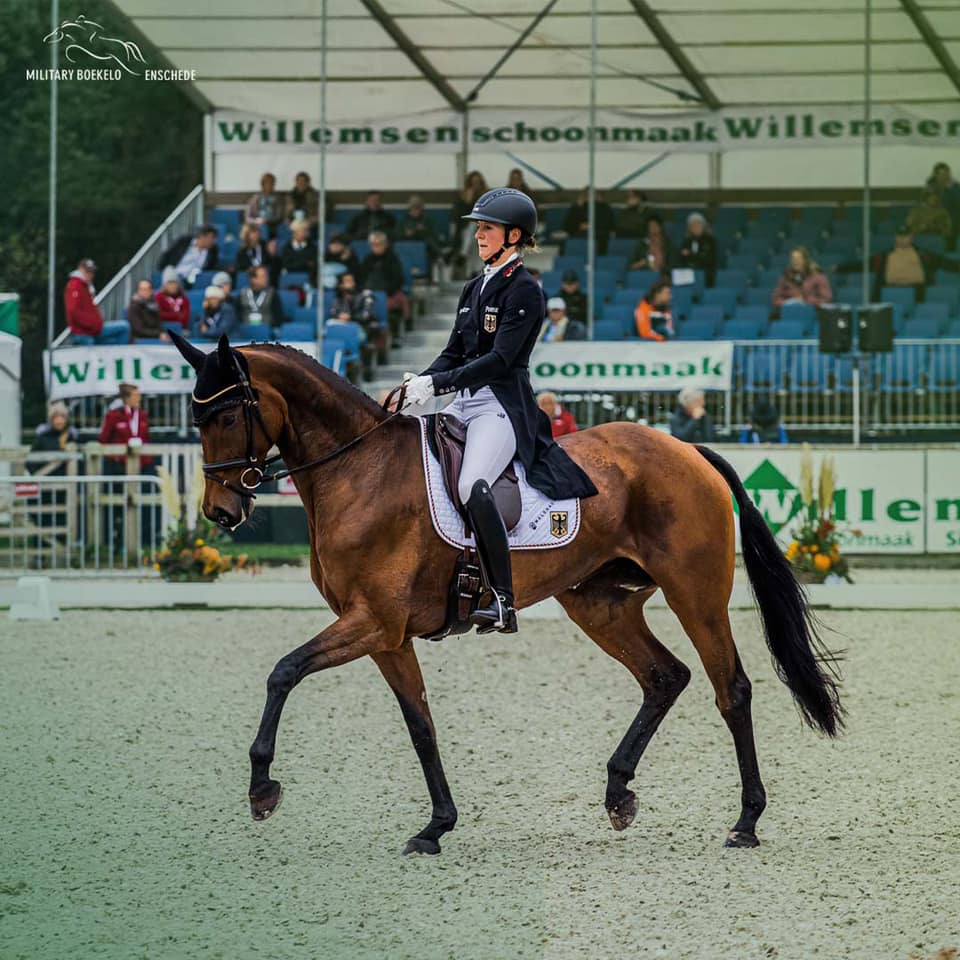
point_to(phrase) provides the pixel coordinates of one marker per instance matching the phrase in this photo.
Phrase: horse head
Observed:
(80, 24)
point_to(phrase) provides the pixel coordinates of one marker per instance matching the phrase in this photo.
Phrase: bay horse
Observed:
(663, 520)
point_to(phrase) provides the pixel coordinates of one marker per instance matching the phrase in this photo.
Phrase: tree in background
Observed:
(129, 151)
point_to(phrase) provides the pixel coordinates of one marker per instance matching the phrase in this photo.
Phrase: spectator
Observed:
(382, 270)
(351, 305)
(653, 250)
(690, 421)
(219, 314)
(764, 425)
(561, 421)
(253, 251)
(942, 183)
(300, 253)
(474, 186)
(416, 227)
(224, 281)
(126, 423)
(83, 315)
(632, 219)
(372, 219)
(653, 316)
(143, 315)
(802, 282)
(266, 209)
(53, 437)
(189, 255)
(558, 326)
(930, 217)
(172, 302)
(573, 296)
(698, 250)
(303, 202)
(577, 221)
(339, 257)
(259, 302)
(516, 181)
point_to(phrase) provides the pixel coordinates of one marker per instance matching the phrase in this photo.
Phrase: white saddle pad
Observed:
(544, 523)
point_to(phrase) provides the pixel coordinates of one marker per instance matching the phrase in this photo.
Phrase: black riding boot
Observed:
(494, 553)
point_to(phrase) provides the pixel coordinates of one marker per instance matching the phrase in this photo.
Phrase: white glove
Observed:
(420, 390)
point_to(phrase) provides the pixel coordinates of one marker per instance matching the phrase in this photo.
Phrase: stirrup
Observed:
(499, 616)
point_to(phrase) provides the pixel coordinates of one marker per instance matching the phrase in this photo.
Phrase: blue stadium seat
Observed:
(622, 316)
(901, 295)
(607, 330)
(760, 297)
(723, 297)
(696, 330)
(745, 262)
(228, 251)
(821, 217)
(763, 370)
(564, 263)
(332, 355)
(242, 280)
(809, 371)
(439, 219)
(932, 243)
(204, 279)
(902, 370)
(846, 247)
(754, 313)
(575, 247)
(627, 297)
(943, 293)
(604, 284)
(741, 330)
(771, 218)
(805, 235)
(921, 328)
(348, 334)
(553, 218)
(787, 330)
(769, 277)
(294, 278)
(947, 278)
(943, 374)
(735, 280)
(622, 247)
(849, 293)
(616, 265)
(196, 302)
(803, 314)
(255, 331)
(413, 255)
(551, 280)
(758, 247)
(953, 328)
(642, 280)
(305, 315)
(681, 301)
(729, 221)
(710, 315)
(230, 217)
(361, 248)
(289, 301)
(938, 313)
(297, 331)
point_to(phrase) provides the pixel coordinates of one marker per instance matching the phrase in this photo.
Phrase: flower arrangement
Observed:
(814, 551)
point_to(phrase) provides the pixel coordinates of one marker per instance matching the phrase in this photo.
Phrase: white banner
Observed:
(753, 128)
(634, 365)
(943, 501)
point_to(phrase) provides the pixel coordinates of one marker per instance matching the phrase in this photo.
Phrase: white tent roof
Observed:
(405, 56)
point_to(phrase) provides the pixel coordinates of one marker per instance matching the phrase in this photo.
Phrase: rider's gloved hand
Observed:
(420, 390)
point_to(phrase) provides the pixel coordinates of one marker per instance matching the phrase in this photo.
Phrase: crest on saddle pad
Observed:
(558, 523)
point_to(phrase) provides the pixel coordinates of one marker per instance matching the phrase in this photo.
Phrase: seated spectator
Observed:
(764, 425)
(126, 422)
(474, 186)
(224, 281)
(83, 315)
(189, 255)
(172, 302)
(253, 250)
(351, 305)
(339, 254)
(574, 298)
(653, 316)
(653, 251)
(300, 254)
(632, 219)
(267, 208)
(258, 302)
(802, 282)
(143, 315)
(930, 217)
(948, 190)
(558, 326)
(303, 202)
(577, 221)
(561, 421)
(699, 249)
(372, 219)
(219, 315)
(516, 181)
(416, 227)
(690, 421)
(381, 270)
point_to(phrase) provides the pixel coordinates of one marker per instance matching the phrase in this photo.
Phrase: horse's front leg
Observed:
(353, 635)
(401, 670)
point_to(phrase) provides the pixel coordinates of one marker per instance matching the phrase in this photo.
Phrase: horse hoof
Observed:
(737, 838)
(624, 813)
(421, 845)
(263, 807)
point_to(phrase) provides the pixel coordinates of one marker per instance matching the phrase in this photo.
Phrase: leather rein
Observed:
(256, 471)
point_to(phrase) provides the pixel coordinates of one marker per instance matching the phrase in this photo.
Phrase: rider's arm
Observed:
(452, 354)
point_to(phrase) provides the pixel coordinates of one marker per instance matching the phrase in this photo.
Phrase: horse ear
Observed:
(224, 354)
(196, 358)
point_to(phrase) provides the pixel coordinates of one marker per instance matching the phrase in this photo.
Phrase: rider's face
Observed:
(490, 237)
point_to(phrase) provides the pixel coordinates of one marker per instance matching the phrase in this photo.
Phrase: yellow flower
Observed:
(198, 542)
(821, 562)
(156, 566)
(814, 549)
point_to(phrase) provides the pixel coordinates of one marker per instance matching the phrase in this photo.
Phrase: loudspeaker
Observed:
(836, 328)
(875, 327)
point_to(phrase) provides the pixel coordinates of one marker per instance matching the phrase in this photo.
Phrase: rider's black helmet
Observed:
(512, 208)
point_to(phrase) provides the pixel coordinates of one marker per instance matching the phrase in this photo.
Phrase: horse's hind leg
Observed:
(613, 618)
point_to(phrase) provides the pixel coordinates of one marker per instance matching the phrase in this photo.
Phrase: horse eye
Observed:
(229, 419)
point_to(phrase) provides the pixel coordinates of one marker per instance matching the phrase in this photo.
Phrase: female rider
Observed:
(486, 362)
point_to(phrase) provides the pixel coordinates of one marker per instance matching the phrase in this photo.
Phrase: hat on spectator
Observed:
(222, 277)
(88, 264)
(569, 276)
(170, 273)
(56, 407)
(556, 303)
(213, 293)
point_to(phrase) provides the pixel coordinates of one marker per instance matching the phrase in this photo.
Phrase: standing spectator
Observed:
(561, 421)
(930, 217)
(266, 209)
(172, 302)
(54, 435)
(382, 270)
(698, 250)
(83, 315)
(224, 281)
(516, 181)
(577, 221)
(803, 281)
(126, 422)
(690, 421)
(653, 250)
(189, 255)
(942, 183)
(300, 253)
(416, 227)
(653, 316)
(219, 314)
(372, 218)
(764, 425)
(259, 303)
(474, 186)
(574, 298)
(558, 326)
(303, 202)
(632, 219)
(143, 314)
(339, 257)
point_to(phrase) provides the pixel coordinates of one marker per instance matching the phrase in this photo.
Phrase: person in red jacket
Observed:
(561, 421)
(83, 315)
(126, 422)
(173, 303)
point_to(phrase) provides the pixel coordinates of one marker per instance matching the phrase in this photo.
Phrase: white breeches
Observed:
(491, 443)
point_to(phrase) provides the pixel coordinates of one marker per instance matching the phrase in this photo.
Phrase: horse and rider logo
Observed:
(558, 523)
(83, 36)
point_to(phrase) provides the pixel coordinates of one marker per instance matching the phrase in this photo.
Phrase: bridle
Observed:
(255, 470)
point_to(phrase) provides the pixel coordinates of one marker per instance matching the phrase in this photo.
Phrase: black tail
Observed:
(800, 658)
